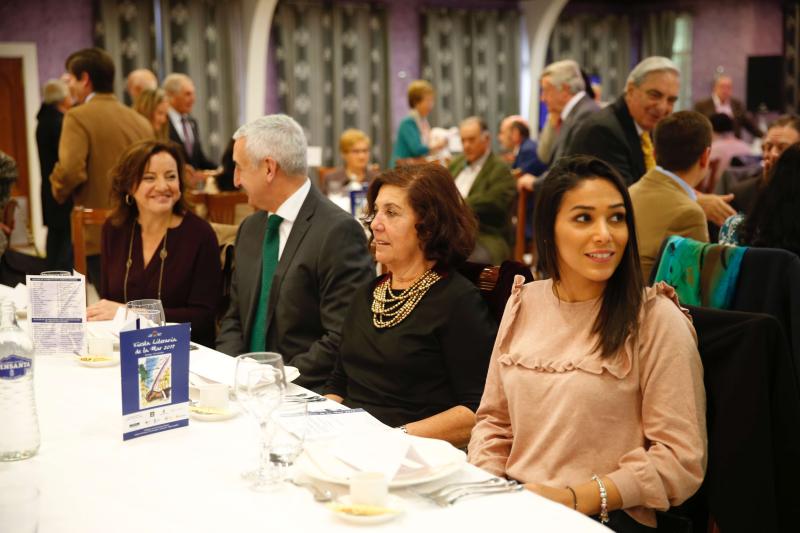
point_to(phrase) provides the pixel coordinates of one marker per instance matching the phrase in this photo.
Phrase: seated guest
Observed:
(664, 199)
(416, 342)
(773, 221)
(594, 396)
(781, 134)
(722, 101)
(299, 257)
(724, 144)
(152, 104)
(354, 145)
(153, 246)
(520, 149)
(413, 134)
(485, 182)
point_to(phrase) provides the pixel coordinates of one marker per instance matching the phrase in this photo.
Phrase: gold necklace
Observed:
(389, 309)
(162, 254)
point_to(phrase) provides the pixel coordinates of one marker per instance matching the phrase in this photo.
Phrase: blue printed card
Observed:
(154, 365)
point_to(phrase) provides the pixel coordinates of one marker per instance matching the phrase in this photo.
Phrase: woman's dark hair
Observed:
(446, 227)
(127, 175)
(225, 177)
(773, 221)
(622, 298)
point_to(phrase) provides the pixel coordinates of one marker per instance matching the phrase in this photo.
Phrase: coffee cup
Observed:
(368, 488)
(213, 396)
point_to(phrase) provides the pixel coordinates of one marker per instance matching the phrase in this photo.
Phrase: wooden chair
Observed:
(522, 216)
(322, 174)
(81, 217)
(495, 282)
(222, 206)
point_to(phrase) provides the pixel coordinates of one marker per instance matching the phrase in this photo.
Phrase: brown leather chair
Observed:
(81, 217)
(222, 206)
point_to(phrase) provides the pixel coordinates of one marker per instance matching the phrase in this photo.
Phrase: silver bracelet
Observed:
(603, 499)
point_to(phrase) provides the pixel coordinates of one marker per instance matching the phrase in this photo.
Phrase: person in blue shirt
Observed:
(413, 134)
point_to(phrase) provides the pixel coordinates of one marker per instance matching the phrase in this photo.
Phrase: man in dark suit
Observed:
(182, 126)
(722, 101)
(520, 150)
(298, 259)
(620, 133)
(485, 182)
(56, 102)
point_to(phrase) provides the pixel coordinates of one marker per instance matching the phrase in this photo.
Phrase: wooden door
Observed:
(13, 135)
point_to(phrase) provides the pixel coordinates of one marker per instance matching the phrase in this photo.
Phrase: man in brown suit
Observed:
(93, 137)
(664, 200)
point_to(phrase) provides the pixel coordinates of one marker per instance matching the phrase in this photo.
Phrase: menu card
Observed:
(57, 313)
(154, 364)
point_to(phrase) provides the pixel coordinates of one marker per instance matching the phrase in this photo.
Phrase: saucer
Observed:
(367, 514)
(209, 414)
(97, 361)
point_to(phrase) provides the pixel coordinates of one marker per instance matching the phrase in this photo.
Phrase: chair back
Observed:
(495, 282)
(80, 218)
(522, 220)
(222, 206)
(226, 237)
(322, 175)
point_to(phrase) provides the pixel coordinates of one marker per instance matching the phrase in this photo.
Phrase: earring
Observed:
(128, 199)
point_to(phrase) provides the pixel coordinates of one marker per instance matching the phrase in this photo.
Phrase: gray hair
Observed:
(173, 83)
(649, 65)
(54, 91)
(279, 137)
(566, 72)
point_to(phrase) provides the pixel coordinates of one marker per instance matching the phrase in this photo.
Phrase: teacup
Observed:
(368, 488)
(213, 396)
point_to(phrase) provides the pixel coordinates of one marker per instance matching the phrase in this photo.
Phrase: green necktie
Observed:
(269, 262)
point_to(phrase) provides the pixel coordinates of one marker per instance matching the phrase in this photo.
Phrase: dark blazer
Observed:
(491, 198)
(741, 118)
(583, 108)
(197, 158)
(527, 160)
(48, 132)
(745, 193)
(324, 260)
(611, 135)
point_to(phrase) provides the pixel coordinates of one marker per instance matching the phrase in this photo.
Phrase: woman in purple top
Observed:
(154, 247)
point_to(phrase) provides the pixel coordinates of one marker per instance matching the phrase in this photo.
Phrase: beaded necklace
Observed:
(389, 308)
(162, 254)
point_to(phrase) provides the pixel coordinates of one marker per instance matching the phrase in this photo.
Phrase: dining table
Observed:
(86, 479)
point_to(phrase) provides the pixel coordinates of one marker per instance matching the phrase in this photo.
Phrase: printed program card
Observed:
(154, 365)
(57, 313)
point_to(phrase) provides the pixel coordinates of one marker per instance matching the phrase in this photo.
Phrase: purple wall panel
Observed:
(58, 27)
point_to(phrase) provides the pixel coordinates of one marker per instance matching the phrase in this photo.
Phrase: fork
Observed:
(511, 486)
(442, 491)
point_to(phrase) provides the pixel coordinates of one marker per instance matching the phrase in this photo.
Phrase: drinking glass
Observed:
(151, 311)
(290, 424)
(259, 386)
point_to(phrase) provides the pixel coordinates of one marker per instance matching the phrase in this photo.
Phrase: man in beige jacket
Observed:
(93, 137)
(664, 200)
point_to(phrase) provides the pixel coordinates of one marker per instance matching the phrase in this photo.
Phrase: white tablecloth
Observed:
(188, 480)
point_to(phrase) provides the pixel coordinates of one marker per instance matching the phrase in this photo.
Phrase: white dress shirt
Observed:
(288, 211)
(722, 108)
(466, 177)
(571, 104)
(177, 122)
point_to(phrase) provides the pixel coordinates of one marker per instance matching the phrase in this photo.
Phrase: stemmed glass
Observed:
(150, 310)
(290, 424)
(259, 386)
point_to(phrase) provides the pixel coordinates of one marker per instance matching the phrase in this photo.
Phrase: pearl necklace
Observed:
(389, 309)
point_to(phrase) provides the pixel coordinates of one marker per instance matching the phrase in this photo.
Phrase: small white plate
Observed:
(96, 361)
(200, 414)
(394, 508)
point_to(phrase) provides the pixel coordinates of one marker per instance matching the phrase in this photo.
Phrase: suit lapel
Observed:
(299, 230)
(631, 133)
(486, 170)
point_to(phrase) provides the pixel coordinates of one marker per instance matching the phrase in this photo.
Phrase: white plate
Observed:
(392, 502)
(227, 414)
(113, 360)
(451, 459)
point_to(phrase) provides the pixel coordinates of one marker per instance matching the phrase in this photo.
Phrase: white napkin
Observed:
(18, 295)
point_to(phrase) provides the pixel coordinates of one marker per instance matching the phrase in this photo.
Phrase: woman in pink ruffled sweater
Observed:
(594, 396)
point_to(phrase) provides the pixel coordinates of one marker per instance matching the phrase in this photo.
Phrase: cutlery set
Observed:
(449, 494)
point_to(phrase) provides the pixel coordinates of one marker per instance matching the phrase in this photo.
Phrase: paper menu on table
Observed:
(331, 423)
(57, 313)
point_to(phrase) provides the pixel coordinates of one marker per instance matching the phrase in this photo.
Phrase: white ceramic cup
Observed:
(100, 346)
(368, 488)
(213, 395)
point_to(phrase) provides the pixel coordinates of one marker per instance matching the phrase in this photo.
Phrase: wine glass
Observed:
(150, 311)
(290, 424)
(259, 386)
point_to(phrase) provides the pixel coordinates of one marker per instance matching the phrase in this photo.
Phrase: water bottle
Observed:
(19, 426)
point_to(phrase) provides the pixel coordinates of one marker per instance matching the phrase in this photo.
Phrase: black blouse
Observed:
(433, 360)
(191, 288)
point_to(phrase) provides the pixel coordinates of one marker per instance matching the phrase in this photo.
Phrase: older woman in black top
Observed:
(416, 342)
(154, 247)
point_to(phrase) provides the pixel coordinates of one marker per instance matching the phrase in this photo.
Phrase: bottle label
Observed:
(14, 367)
